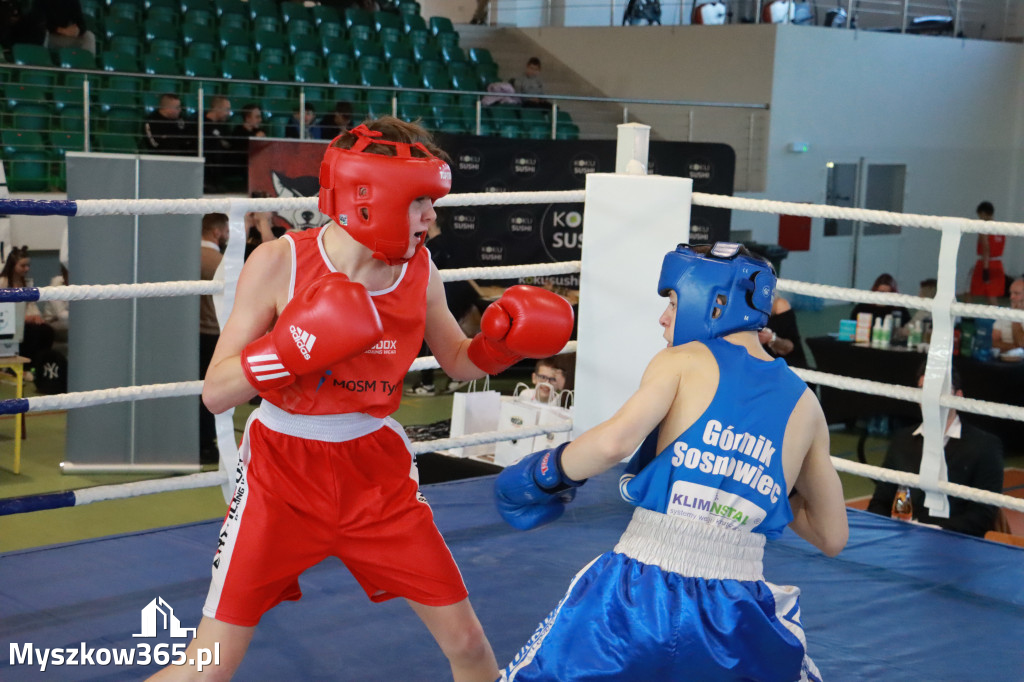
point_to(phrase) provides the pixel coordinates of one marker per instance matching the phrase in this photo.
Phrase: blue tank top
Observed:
(726, 469)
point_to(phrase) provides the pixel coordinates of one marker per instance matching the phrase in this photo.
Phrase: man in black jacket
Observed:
(166, 131)
(973, 458)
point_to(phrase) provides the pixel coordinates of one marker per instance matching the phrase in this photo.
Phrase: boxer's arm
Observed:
(606, 444)
(819, 510)
(262, 285)
(444, 336)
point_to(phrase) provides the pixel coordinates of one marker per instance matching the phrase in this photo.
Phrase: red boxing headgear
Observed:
(369, 194)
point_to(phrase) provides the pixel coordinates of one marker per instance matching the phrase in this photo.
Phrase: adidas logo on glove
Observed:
(303, 340)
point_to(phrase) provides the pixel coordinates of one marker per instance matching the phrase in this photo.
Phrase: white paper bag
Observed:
(519, 413)
(474, 412)
(554, 414)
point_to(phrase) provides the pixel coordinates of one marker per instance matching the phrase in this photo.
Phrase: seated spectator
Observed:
(548, 381)
(781, 338)
(292, 129)
(55, 313)
(1007, 335)
(56, 24)
(531, 85)
(886, 283)
(216, 143)
(165, 131)
(39, 336)
(973, 458)
(336, 122)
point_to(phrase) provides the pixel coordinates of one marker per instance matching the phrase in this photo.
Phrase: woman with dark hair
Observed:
(885, 283)
(38, 338)
(56, 24)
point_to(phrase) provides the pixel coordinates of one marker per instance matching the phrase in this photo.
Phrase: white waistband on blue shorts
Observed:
(330, 428)
(692, 548)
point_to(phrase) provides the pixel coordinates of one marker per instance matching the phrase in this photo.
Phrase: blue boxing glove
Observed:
(535, 490)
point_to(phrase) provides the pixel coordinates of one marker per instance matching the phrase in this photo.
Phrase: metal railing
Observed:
(94, 111)
(980, 19)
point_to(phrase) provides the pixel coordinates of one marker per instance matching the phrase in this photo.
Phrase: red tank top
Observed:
(996, 244)
(371, 382)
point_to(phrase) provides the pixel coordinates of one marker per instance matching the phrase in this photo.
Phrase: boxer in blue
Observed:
(731, 447)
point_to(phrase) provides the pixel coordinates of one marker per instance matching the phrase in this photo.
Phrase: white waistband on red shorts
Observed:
(330, 428)
(692, 548)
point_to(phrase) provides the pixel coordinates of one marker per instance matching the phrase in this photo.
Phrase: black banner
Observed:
(521, 234)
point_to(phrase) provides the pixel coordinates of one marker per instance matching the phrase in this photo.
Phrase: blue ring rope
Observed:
(31, 503)
(64, 207)
(14, 295)
(14, 406)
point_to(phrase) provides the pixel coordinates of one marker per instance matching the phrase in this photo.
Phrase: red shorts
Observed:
(333, 485)
(996, 284)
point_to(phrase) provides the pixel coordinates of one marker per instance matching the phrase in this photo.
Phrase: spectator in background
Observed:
(988, 280)
(336, 122)
(165, 131)
(251, 126)
(39, 336)
(781, 338)
(1007, 335)
(548, 381)
(216, 143)
(292, 128)
(214, 241)
(56, 24)
(973, 458)
(55, 313)
(531, 85)
(885, 283)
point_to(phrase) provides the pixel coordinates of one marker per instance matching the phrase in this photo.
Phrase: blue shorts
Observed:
(623, 619)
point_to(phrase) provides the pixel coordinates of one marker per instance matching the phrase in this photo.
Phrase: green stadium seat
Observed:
(310, 74)
(29, 115)
(465, 80)
(415, 112)
(202, 17)
(342, 60)
(390, 35)
(534, 116)
(382, 19)
(197, 67)
(274, 55)
(422, 53)
(510, 131)
(567, 131)
(447, 40)
(223, 7)
(31, 55)
(274, 72)
(74, 58)
(26, 160)
(343, 75)
(61, 142)
(326, 14)
(236, 53)
(205, 51)
(304, 43)
(355, 16)
(262, 39)
(332, 46)
(452, 53)
(440, 25)
(413, 22)
(120, 9)
(172, 4)
(361, 32)
(480, 55)
(295, 10)
(126, 44)
(406, 79)
(308, 57)
(234, 69)
(262, 8)
(233, 36)
(242, 92)
(164, 15)
(266, 23)
(374, 76)
(160, 64)
(196, 33)
(420, 37)
(171, 49)
(116, 143)
(234, 20)
(116, 108)
(92, 8)
(70, 116)
(122, 26)
(366, 48)
(537, 132)
(402, 65)
(190, 6)
(326, 30)
(436, 79)
(122, 63)
(409, 8)
(487, 73)
(301, 28)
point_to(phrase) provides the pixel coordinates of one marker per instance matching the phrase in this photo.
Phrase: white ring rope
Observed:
(99, 207)
(914, 481)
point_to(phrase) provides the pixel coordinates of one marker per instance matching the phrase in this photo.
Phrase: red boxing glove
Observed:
(331, 320)
(526, 322)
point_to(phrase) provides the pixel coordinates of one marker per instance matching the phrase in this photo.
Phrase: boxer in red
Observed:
(325, 326)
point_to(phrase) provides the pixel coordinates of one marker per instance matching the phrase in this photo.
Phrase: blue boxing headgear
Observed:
(718, 292)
